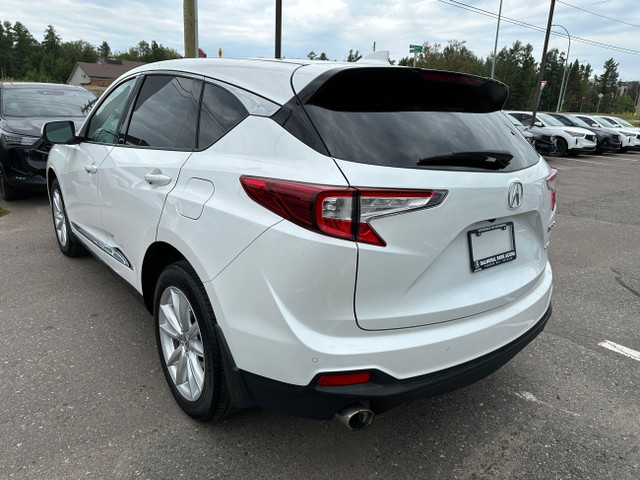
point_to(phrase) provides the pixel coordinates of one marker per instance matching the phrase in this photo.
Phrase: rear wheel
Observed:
(7, 192)
(67, 241)
(188, 344)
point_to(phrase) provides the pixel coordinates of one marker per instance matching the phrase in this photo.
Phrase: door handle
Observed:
(93, 168)
(157, 178)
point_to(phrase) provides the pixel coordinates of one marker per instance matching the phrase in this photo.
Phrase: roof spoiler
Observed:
(381, 56)
(380, 89)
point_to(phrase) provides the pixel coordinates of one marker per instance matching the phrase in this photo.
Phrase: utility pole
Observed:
(190, 29)
(543, 63)
(495, 46)
(278, 29)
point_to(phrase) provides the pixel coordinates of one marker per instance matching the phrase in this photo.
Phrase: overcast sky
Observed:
(245, 28)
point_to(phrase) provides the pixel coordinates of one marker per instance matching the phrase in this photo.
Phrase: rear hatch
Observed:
(480, 242)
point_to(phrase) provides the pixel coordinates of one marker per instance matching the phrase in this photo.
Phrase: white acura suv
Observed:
(312, 237)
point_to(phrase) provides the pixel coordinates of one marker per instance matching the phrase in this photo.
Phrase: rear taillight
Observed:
(551, 185)
(341, 212)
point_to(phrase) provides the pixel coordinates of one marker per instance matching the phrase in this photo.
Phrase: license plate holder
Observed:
(491, 246)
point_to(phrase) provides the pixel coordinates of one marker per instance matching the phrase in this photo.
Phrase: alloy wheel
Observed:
(181, 343)
(60, 222)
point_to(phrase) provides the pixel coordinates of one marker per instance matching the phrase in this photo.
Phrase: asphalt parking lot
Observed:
(82, 394)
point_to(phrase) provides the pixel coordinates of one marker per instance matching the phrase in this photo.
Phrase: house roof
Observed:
(107, 69)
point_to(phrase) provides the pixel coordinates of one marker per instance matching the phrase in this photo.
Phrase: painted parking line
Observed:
(614, 347)
(586, 161)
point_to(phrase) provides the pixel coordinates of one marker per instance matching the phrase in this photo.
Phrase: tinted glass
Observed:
(46, 102)
(623, 122)
(166, 113)
(607, 123)
(104, 123)
(590, 121)
(549, 120)
(564, 120)
(579, 122)
(612, 121)
(220, 112)
(406, 139)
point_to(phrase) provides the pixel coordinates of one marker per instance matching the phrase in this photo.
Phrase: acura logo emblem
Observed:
(516, 192)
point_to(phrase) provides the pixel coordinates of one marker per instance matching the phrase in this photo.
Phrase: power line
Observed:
(586, 41)
(597, 14)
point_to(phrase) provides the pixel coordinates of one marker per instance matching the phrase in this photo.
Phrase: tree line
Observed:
(516, 67)
(22, 57)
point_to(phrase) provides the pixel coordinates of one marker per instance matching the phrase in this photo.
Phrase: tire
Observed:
(561, 147)
(8, 192)
(188, 344)
(67, 241)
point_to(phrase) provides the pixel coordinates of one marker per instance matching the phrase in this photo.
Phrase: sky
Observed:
(245, 28)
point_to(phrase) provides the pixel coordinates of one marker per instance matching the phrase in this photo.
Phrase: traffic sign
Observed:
(415, 48)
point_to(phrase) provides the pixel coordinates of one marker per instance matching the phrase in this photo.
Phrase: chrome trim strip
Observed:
(115, 253)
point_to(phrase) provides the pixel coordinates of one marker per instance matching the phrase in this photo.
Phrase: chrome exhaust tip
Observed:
(356, 417)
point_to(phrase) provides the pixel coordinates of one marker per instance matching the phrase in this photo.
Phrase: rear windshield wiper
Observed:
(481, 159)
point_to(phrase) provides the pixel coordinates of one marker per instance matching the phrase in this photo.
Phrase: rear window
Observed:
(413, 118)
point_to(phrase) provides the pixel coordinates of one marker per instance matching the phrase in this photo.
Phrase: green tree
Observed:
(26, 51)
(312, 56)
(516, 67)
(553, 70)
(6, 50)
(607, 83)
(353, 57)
(104, 50)
(624, 103)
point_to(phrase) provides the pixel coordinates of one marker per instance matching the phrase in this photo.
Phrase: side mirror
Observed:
(59, 132)
(538, 123)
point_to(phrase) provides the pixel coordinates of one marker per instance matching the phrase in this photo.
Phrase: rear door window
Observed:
(165, 113)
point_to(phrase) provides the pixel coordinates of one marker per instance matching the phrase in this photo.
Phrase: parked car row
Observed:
(572, 134)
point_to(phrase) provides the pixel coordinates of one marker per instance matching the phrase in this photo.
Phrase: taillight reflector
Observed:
(551, 185)
(341, 212)
(342, 379)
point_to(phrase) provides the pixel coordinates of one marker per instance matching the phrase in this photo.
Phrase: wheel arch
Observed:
(159, 255)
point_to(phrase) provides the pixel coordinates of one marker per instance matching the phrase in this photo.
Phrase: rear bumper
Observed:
(380, 394)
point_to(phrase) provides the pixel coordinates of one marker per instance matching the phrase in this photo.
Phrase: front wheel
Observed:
(188, 344)
(561, 147)
(7, 192)
(67, 241)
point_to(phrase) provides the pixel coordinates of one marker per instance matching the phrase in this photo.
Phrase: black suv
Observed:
(24, 108)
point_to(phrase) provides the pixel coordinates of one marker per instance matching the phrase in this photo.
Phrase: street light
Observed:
(566, 62)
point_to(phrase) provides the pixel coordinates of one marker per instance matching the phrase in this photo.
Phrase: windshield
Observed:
(623, 122)
(607, 123)
(514, 120)
(46, 102)
(579, 122)
(589, 121)
(549, 120)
